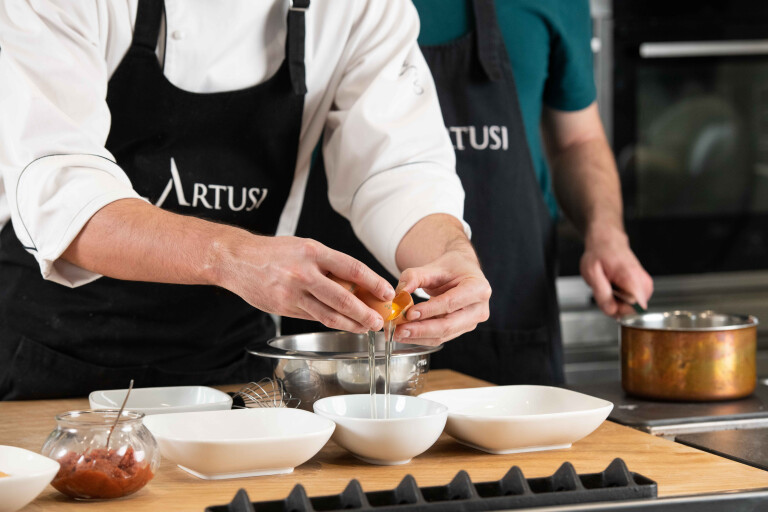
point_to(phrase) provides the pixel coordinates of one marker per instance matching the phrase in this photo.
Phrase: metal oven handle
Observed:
(703, 48)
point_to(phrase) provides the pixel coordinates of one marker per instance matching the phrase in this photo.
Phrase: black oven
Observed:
(683, 91)
(690, 132)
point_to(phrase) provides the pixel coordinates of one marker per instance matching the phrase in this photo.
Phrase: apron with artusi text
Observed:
(229, 157)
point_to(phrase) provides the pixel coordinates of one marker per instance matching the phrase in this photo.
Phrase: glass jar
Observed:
(90, 469)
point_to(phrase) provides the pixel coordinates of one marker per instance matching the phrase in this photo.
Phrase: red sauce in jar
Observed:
(101, 473)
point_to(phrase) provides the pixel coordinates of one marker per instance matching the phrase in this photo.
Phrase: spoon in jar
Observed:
(120, 413)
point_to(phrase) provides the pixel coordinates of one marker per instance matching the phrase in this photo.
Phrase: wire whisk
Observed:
(267, 392)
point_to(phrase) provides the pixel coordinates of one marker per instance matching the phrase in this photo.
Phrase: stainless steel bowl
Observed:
(315, 365)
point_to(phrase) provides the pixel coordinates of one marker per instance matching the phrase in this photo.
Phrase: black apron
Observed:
(512, 230)
(229, 157)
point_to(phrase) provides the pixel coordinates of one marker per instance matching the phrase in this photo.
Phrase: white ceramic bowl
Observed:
(411, 427)
(163, 400)
(29, 473)
(239, 443)
(514, 419)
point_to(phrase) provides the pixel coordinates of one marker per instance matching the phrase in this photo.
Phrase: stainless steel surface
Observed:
(315, 365)
(672, 431)
(662, 50)
(715, 288)
(669, 419)
(747, 446)
(688, 321)
(602, 48)
(601, 8)
(747, 501)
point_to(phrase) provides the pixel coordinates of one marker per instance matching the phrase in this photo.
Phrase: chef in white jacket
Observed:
(154, 157)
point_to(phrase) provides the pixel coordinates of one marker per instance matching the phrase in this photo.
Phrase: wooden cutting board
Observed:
(677, 469)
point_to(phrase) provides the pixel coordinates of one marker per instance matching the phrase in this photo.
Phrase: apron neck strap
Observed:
(149, 14)
(488, 38)
(294, 45)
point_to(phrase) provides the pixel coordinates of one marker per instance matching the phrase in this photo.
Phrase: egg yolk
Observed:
(394, 311)
(399, 305)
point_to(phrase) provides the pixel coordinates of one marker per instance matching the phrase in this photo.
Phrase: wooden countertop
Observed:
(676, 468)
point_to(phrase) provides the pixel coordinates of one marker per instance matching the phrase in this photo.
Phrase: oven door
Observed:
(691, 141)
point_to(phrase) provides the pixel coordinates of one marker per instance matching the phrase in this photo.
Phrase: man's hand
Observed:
(288, 276)
(587, 186)
(608, 261)
(133, 240)
(451, 275)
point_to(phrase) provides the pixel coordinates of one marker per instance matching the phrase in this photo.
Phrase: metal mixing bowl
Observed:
(315, 365)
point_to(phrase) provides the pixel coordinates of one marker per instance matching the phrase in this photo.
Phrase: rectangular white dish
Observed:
(238, 443)
(163, 399)
(514, 419)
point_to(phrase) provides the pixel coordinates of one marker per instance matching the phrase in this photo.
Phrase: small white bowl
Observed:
(237, 443)
(29, 473)
(163, 400)
(515, 419)
(410, 427)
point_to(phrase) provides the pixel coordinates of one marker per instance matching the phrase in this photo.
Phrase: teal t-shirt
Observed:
(548, 42)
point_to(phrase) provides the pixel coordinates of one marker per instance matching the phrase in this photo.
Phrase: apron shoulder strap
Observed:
(149, 14)
(488, 38)
(294, 45)
(147, 29)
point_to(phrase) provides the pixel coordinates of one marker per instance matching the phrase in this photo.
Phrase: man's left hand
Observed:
(459, 298)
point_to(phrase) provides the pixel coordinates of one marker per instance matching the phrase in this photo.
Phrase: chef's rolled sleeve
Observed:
(55, 197)
(54, 122)
(381, 223)
(388, 156)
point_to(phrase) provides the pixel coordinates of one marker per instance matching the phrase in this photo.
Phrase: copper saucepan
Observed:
(688, 355)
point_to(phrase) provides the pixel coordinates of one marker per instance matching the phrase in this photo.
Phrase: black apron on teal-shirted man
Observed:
(512, 230)
(229, 157)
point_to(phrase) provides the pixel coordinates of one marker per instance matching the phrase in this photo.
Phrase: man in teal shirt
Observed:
(548, 43)
(504, 71)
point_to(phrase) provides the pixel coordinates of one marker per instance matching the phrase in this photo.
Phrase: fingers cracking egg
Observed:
(390, 311)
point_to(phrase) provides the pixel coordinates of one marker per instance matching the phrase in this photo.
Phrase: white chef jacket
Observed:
(388, 157)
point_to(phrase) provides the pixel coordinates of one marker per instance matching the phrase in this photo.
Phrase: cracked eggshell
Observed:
(393, 310)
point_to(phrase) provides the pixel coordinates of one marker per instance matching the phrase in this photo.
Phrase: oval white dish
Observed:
(238, 443)
(514, 419)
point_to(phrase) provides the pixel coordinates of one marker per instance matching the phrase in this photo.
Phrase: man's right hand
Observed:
(288, 276)
(133, 240)
(608, 260)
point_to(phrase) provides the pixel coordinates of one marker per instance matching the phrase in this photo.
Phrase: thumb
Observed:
(631, 284)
